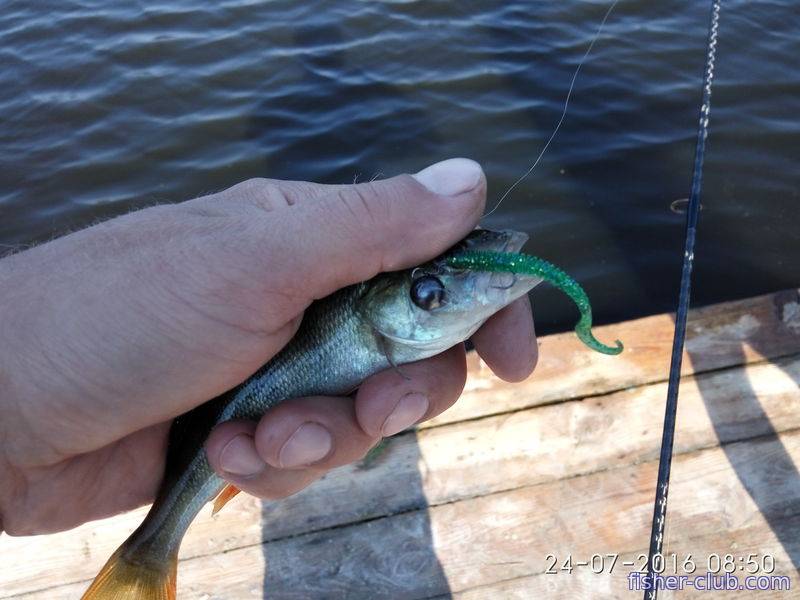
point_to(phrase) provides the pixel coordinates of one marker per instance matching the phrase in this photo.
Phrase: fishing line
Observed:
(668, 435)
(563, 112)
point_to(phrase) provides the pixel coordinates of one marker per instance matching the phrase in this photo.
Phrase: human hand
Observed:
(109, 333)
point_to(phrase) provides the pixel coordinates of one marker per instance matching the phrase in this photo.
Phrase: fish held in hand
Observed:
(392, 319)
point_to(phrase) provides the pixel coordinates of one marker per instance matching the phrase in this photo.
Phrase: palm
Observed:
(118, 477)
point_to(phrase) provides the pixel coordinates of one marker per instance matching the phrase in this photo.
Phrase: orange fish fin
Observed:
(121, 579)
(228, 492)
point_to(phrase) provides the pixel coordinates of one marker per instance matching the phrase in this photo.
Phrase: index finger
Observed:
(507, 341)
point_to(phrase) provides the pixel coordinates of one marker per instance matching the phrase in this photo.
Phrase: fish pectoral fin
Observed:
(228, 492)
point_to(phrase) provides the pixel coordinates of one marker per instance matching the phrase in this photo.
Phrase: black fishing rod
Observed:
(668, 435)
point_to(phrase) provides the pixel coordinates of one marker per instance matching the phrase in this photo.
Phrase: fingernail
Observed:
(239, 457)
(451, 177)
(410, 409)
(310, 443)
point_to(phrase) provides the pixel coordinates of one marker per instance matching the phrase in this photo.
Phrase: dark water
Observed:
(110, 106)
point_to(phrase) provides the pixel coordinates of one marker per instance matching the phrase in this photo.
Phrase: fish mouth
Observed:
(488, 240)
(516, 240)
(508, 281)
(500, 287)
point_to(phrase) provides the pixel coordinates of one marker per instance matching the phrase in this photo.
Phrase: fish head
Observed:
(427, 309)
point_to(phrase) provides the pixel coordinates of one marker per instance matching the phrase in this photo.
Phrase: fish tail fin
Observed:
(123, 578)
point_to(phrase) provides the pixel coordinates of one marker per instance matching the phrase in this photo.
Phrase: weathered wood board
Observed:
(492, 539)
(565, 460)
(718, 336)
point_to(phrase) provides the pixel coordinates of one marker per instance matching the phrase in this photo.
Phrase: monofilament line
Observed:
(563, 112)
(668, 436)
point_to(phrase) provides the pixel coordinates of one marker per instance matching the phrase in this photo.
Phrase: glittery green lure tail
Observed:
(525, 264)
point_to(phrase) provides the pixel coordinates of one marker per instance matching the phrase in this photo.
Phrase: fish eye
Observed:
(427, 292)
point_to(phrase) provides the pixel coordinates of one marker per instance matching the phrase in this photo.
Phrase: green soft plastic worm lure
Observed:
(525, 264)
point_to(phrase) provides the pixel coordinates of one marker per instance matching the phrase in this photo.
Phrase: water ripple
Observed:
(106, 107)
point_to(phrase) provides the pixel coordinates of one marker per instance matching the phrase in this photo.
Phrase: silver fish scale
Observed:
(332, 352)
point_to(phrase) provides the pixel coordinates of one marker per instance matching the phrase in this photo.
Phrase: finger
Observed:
(388, 403)
(507, 341)
(360, 230)
(269, 194)
(317, 431)
(231, 451)
(294, 444)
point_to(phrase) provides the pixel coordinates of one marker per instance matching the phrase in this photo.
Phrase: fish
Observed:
(390, 320)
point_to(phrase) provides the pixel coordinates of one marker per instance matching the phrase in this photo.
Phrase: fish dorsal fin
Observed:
(227, 493)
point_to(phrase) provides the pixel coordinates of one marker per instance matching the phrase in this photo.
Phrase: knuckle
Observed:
(272, 195)
(257, 182)
(367, 209)
(363, 204)
(267, 194)
(252, 186)
(379, 203)
(282, 195)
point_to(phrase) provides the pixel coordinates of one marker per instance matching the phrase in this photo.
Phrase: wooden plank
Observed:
(757, 540)
(584, 583)
(445, 464)
(718, 336)
(484, 542)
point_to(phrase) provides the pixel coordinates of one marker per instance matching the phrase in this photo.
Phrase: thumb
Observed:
(358, 231)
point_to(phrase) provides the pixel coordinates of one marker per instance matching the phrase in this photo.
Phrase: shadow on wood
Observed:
(359, 567)
(778, 463)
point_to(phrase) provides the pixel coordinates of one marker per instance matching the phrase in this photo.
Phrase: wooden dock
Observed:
(471, 505)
